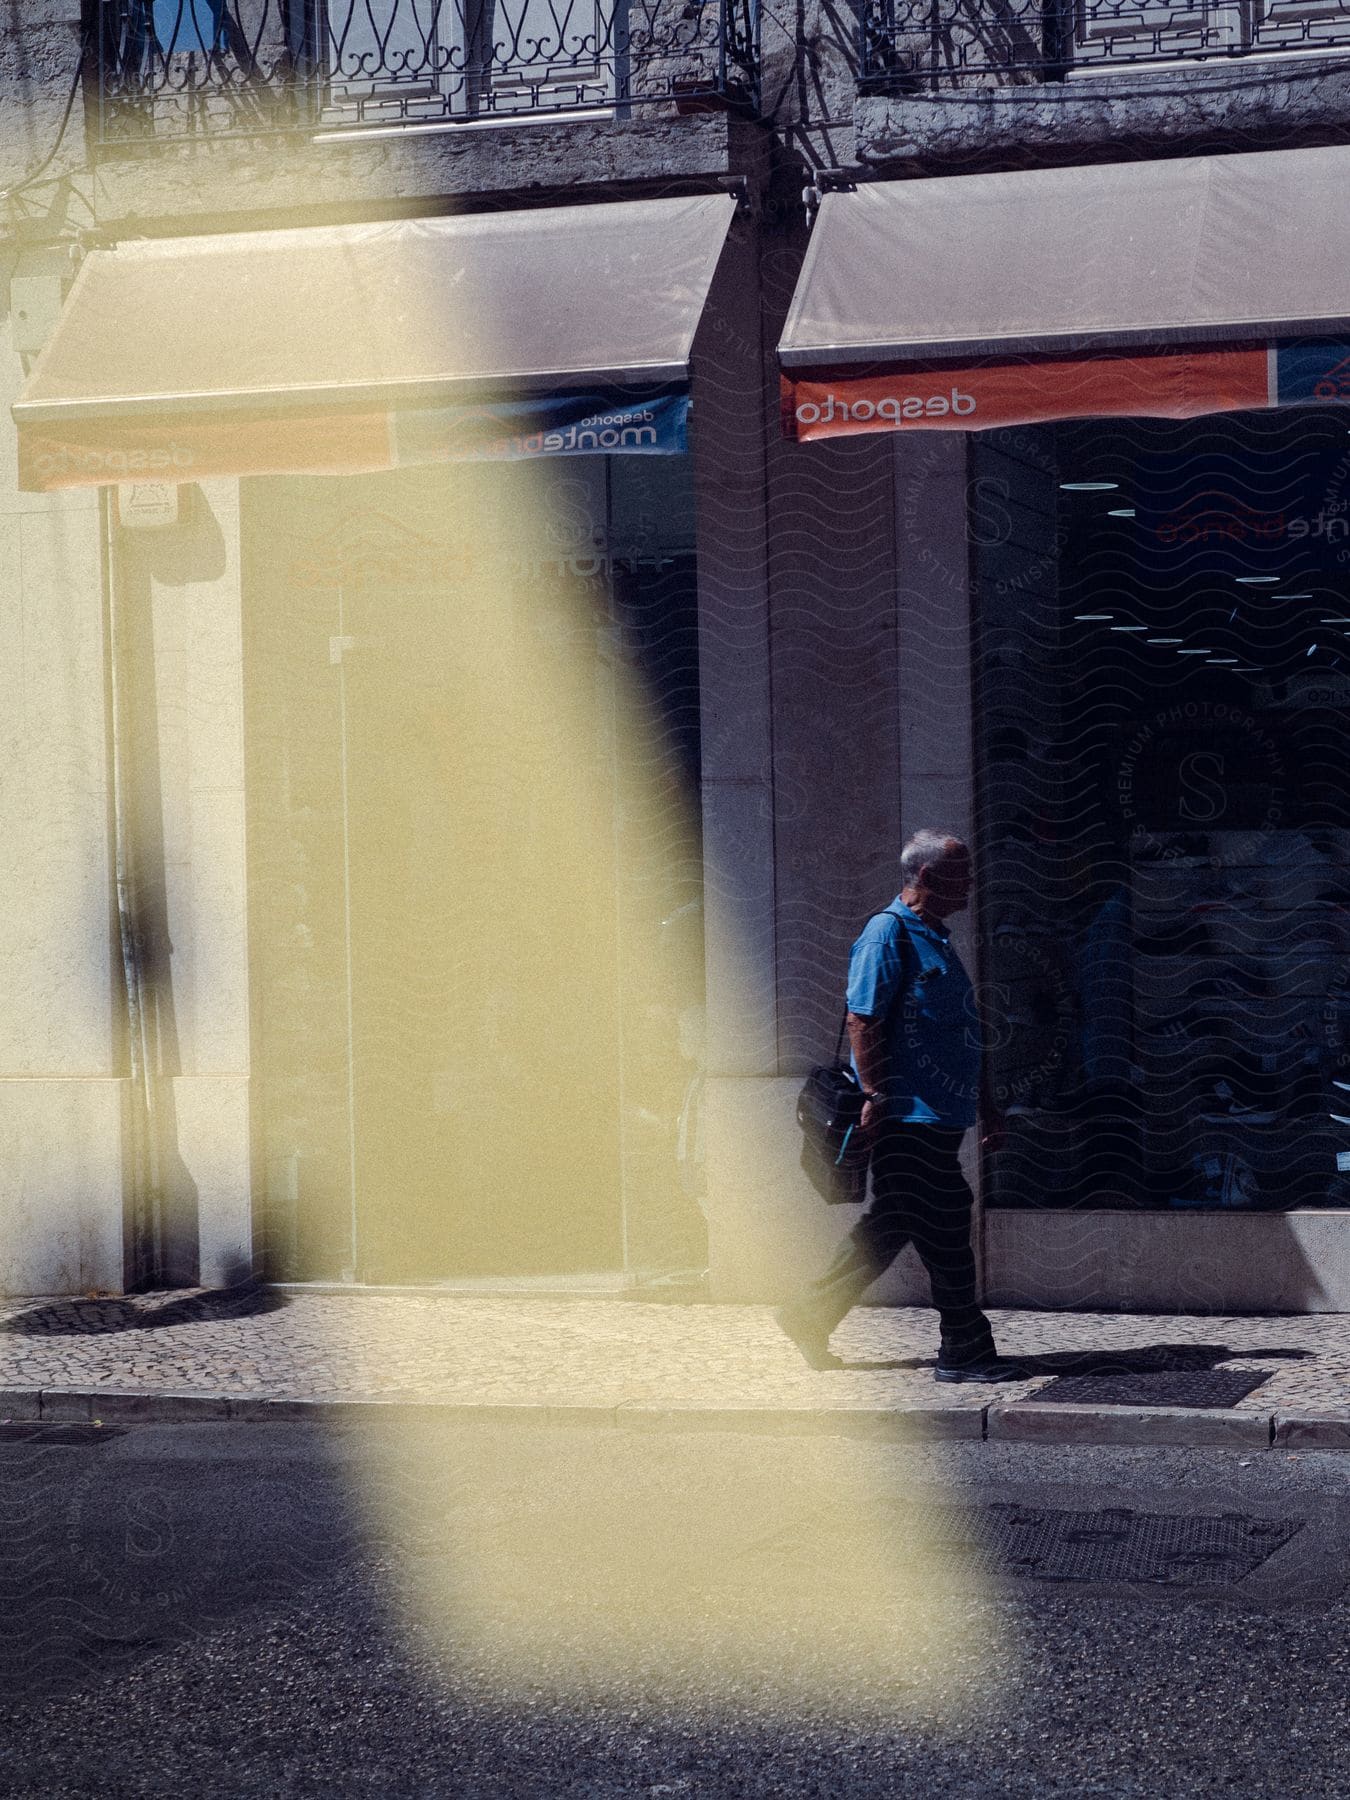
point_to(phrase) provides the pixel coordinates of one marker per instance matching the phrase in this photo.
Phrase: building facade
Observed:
(437, 828)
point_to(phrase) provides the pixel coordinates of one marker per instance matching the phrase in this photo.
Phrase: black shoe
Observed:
(991, 1368)
(807, 1335)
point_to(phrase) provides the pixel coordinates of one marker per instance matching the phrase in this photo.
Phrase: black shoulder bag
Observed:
(835, 1153)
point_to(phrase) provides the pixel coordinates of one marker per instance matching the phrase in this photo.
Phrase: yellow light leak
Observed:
(523, 764)
(466, 823)
(738, 1573)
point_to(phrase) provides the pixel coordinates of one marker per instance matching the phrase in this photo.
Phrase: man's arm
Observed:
(876, 977)
(867, 1039)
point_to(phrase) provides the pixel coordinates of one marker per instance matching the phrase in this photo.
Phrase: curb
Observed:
(1026, 1423)
(83, 1405)
(1019, 1421)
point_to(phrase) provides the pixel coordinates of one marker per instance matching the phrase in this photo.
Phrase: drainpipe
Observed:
(144, 1253)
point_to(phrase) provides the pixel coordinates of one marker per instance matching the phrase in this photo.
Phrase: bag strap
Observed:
(887, 912)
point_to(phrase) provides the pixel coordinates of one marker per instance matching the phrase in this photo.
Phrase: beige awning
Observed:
(345, 348)
(1214, 249)
(407, 308)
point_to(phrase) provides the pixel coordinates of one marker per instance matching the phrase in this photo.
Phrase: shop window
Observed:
(1164, 812)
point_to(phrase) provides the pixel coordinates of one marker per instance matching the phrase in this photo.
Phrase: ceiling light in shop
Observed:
(1291, 596)
(1163, 640)
(1256, 580)
(1195, 653)
(1311, 648)
(1088, 487)
(1129, 628)
(1215, 661)
(1340, 619)
(1121, 512)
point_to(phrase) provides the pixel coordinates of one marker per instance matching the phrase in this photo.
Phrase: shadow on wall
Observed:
(151, 568)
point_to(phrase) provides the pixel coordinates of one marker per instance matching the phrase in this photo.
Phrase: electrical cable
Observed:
(30, 206)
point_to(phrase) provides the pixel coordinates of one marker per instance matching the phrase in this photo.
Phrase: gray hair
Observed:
(924, 849)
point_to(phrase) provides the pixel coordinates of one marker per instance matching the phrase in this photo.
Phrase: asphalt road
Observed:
(274, 1609)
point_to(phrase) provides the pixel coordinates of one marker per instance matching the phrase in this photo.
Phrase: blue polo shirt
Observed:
(910, 972)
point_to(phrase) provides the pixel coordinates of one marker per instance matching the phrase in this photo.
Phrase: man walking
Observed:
(915, 1038)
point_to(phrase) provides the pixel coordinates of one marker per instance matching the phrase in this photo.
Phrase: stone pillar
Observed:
(935, 690)
(736, 725)
(801, 784)
(737, 751)
(868, 650)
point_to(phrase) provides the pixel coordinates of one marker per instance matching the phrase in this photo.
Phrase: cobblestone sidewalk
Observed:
(250, 1350)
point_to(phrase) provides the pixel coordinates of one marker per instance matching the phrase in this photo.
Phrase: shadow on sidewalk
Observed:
(96, 1318)
(1147, 1359)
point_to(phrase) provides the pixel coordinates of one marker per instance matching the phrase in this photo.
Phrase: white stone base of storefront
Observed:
(61, 1185)
(1225, 1262)
(768, 1230)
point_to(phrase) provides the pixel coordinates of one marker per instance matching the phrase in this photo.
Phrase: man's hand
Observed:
(870, 1116)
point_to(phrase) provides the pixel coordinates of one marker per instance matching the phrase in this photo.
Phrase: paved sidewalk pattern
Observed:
(1233, 1378)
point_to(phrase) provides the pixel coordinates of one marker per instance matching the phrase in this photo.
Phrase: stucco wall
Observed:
(835, 690)
(61, 1096)
(1263, 104)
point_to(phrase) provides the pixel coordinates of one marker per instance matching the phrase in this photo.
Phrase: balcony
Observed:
(173, 70)
(932, 46)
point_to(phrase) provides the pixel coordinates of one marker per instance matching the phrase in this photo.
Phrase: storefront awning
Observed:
(1142, 287)
(310, 349)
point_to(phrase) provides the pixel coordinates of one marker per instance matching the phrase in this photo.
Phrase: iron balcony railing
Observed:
(930, 45)
(175, 68)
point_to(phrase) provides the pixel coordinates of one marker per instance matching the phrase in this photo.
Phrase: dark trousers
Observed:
(919, 1197)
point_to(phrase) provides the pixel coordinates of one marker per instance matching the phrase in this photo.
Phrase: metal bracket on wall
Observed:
(747, 199)
(827, 181)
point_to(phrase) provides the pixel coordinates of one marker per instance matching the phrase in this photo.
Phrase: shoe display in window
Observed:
(1224, 1104)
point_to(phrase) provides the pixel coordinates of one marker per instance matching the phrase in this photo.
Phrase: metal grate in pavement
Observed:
(1153, 1387)
(73, 1436)
(1115, 1544)
(1122, 1545)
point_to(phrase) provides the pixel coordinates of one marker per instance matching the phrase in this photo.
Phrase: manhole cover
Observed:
(1116, 1544)
(1122, 1545)
(1153, 1387)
